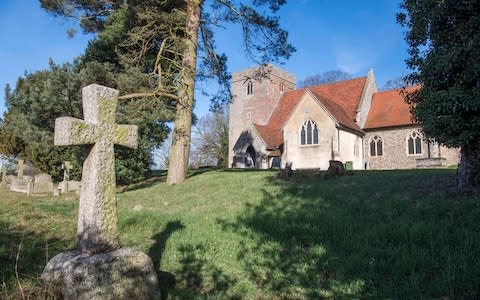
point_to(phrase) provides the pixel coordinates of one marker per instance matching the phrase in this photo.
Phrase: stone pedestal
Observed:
(121, 274)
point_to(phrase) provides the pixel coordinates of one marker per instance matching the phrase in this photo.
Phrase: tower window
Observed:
(249, 88)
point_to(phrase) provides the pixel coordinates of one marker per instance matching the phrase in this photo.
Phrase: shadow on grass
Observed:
(399, 235)
(143, 184)
(166, 280)
(33, 250)
(196, 276)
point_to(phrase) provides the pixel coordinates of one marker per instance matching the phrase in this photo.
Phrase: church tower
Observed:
(256, 92)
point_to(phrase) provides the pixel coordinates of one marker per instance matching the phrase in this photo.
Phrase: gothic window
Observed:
(376, 146)
(249, 88)
(309, 133)
(414, 143)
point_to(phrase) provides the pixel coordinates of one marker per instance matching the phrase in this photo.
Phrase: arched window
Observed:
(281, 86)
(376, 146)
(309, 133)
(414, 143)
(249, 87)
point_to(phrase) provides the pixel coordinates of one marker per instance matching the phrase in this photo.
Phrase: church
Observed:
(271, 124)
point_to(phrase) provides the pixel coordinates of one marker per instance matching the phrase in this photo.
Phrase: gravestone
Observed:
(20, 168)
(10, 179)
(42, 183)
(69, 186)
(21, 183)
(66, 166)
(24, 185)
(287, 172)
(3, 183)
(335, 169)
(64, 186)
(99, 268)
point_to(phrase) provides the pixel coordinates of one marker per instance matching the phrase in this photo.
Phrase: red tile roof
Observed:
(340, 98)
(389, 109)
(272, 137)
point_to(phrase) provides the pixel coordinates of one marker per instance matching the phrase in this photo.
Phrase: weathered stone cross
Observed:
(97, 217)
(20, 167)
(66, 166)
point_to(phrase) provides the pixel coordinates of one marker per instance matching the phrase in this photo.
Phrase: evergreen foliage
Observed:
(444, 57)
(39, 98)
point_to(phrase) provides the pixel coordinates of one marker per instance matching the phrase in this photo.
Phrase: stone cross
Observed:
(97, 217)
(67, 166)
(20, 168)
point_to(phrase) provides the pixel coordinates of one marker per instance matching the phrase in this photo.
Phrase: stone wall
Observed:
(395, 150)
(308, 156)
(258, 106)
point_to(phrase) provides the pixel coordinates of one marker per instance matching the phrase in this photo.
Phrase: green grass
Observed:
(249, 235)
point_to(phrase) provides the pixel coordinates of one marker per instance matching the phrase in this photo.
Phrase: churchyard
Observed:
(251, 235)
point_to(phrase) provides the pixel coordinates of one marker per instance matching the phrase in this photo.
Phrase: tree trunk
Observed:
(468, 174)
(179, 153)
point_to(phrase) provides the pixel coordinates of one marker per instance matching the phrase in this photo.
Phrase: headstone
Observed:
(64, 186)
(20, 168)
(21, 185)
(67, 166)
(99, 268)
(3, 183)
(10, 179)
(69, 186)
(287, 172)
(335, 169)
(42, 183)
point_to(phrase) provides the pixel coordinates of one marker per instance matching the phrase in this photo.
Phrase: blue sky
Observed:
(349, 35)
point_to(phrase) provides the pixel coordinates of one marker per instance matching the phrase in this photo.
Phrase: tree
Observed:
(444, 57)
(325, 77)
(170, 38)
(395, 84)
(210, 140)
(40, 97)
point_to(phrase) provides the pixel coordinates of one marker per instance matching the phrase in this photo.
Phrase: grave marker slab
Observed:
(42, 183)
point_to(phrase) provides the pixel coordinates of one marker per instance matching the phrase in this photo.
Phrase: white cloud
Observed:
(351, 60)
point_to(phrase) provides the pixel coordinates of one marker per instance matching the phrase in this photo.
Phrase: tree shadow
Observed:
(166, 280)
(196, 275)
(361, 237)
(23, 256)
(143, 184)
(195, 172)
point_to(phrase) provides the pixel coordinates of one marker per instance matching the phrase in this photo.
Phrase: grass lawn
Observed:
(249, 235)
